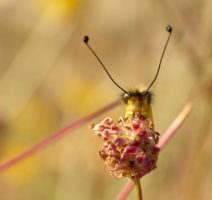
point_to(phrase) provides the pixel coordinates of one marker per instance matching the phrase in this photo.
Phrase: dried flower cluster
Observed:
(129, 148)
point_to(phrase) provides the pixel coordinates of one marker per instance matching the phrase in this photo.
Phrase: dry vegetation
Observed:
(49, 78)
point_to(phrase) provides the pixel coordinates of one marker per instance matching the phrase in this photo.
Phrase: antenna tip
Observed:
(86, 39)
(169, 28)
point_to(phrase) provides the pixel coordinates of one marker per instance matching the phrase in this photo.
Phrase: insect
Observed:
(135, 100)
(130, 144)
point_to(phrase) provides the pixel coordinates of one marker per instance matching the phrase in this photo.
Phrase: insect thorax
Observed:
(137, 101)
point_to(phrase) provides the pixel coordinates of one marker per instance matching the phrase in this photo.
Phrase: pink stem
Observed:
(162, 143)
(52, 138)
(170, 132)
(126, 190)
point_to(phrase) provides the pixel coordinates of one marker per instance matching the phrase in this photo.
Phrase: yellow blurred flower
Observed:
(22, 173)
(59, 9)
(37, 118)
(77, 96)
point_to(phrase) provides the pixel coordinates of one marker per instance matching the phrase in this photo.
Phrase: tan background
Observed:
(49, 78)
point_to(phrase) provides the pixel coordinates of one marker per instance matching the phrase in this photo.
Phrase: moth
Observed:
(130, 144)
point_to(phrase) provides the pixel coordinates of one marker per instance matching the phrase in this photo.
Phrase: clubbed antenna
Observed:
(85, 40)
(169, 30)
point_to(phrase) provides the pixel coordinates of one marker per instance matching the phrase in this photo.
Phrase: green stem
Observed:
(138, 189)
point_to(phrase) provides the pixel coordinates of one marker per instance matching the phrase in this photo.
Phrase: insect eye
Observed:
(126, 96)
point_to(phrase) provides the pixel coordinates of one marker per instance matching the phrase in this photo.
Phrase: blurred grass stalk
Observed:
(54, 137)
(76, 124)
(31, 65)
(162, 143)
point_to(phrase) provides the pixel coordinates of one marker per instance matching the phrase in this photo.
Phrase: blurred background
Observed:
(48, 78)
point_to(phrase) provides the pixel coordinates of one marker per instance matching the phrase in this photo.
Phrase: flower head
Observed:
(129, 148)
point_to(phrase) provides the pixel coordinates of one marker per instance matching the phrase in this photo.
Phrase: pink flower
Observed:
(129, 148)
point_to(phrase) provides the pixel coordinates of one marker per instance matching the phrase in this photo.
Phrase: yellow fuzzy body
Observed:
(138, 102)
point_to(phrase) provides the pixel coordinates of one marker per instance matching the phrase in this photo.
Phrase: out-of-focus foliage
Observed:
(49, 78)
(59, 8)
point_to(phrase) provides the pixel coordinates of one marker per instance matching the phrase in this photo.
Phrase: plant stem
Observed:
(56, 136)
(162, 143)
(175, 126)
(138, 189)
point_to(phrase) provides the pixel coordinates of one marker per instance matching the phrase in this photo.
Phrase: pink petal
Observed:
(129, 151)
(107, 121)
